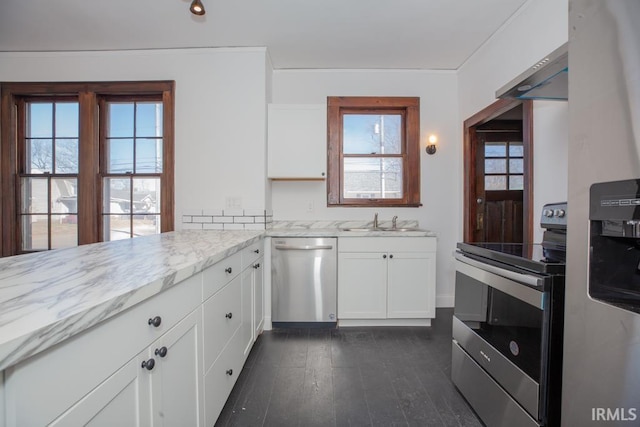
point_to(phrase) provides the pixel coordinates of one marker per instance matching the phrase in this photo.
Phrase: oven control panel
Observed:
(554, 215)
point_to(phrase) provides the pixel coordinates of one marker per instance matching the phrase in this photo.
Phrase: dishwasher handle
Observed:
(302, 248)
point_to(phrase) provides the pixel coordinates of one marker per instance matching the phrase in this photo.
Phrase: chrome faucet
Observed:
(394, 221)
(375, 220)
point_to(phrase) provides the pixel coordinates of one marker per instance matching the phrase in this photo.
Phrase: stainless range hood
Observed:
(548, 79)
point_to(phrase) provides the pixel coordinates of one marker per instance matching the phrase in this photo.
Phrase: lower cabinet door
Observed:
(411, 286)
(258, 300)
(176, 378)
(219, 380)
(362, 289)
(118, 401)
(246, 328)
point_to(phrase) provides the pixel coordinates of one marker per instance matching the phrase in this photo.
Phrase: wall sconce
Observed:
(431, 146)
(197, 8)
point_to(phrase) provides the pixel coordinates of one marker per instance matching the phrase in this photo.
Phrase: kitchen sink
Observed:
(380, 229)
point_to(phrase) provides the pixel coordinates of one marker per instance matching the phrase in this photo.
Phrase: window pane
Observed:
(120, 120)
(116, 227)
(66, 155)
(146, 195)
(372, 134)
(516, 182)
(39, 156)
(495, 149)
(40, 120)
(515, 149)
(120, 155)
(377, 178)
(515, 166)
(64, 196)
(495, 166)
(67, 120)
(495, 182)
(35, 232)
(145, 225)
(34, 195)
(64, 231)
(149, 155)
(116, 195)
(148, 119)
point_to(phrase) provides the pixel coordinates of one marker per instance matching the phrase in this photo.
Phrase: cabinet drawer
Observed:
(220, 379)
(386, 244)
(251, 253)
(215, 277)
(222, 315)
(55, 379)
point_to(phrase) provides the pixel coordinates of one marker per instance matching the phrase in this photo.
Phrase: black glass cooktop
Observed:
(531, 257)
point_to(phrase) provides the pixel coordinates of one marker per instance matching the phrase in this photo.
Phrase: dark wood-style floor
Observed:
(350, 377)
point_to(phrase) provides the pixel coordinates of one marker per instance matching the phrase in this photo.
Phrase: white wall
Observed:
(439, 179)
(220, 111)
(538, 28)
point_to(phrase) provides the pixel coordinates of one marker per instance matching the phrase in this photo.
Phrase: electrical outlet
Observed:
(233, 202)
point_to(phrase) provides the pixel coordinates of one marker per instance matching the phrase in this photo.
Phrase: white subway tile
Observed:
(187, 219)
(222, 219)
(213, 226)
(202, 219)
(212, 212)
(243, 219)
(233, 212)
(234, 226)
(254, 212)
(192, 212)
(260, 219)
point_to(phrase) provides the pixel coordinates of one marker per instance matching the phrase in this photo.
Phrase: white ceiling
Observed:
(361, 34)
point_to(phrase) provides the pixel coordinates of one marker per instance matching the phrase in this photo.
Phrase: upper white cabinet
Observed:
(297, 141)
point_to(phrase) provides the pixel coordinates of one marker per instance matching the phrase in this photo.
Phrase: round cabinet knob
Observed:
(559, 213)
(228, 270)
(548, 213)
(162, 351)
(228, 315)
(155, 321)
(322, 174)
(257, 251)
(229, 372)
(384, 256)
(149, 364)
(391, 256)
(256, 266)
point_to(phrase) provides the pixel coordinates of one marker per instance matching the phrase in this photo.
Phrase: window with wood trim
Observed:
(373, 151)
(85, 162)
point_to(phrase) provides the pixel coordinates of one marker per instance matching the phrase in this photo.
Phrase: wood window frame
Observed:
(89, 181)
(409, 107)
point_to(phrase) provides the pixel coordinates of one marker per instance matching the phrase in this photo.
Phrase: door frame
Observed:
(470, 137)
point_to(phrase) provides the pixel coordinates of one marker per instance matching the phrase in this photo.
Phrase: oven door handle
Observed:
(509, 282)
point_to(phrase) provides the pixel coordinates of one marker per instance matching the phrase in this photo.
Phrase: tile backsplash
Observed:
(226, 219)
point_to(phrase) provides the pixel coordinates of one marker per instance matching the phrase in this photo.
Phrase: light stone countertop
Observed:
(47, 297)
(341, 229)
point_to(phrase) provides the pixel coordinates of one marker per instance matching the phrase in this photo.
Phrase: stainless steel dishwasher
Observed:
(303, 281)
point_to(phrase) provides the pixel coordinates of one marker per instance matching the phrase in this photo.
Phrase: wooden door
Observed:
(498, 184)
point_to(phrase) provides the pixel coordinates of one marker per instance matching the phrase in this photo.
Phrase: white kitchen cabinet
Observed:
(386, 278)
(362, 285)
(258, 297)
(176, 379)
(297, 141)
(117, 401)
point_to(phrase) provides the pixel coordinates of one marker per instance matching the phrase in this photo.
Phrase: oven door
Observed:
(500, 322)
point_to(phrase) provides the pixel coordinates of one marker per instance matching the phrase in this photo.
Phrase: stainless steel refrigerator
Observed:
(601, 375)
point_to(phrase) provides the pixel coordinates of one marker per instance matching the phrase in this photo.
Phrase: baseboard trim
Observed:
(383, 322)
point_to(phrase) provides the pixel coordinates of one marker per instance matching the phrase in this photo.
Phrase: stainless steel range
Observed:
(508, 325)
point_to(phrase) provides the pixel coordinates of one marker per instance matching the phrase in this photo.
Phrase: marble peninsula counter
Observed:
(47, 297)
